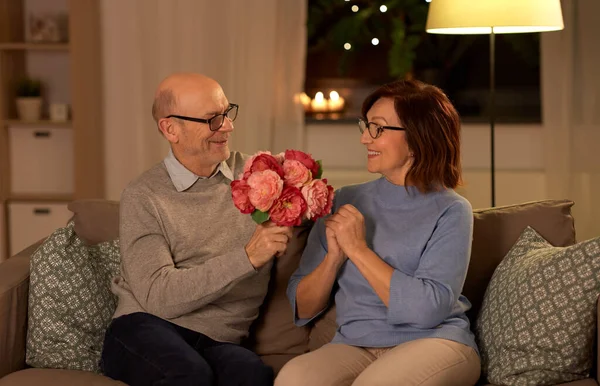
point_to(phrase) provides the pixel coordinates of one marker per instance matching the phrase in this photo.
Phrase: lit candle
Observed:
(319, 104)
(336, 102)
(305, 100)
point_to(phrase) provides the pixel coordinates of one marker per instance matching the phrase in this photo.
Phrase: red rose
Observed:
(289, 208)
(305, 159)
(263, 162)
(239, 193)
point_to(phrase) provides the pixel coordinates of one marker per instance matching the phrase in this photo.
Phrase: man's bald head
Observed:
(195, 100)
(181, 88)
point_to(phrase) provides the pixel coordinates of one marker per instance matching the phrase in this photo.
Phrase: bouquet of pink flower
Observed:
(285, 188)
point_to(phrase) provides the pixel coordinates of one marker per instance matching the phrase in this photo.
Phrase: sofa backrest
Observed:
(495, 231)
(95, 220)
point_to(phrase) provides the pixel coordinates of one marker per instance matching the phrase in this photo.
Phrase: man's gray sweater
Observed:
(183, 256)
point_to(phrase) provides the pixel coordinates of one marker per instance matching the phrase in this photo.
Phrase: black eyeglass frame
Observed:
(379, 128)
(209, 120)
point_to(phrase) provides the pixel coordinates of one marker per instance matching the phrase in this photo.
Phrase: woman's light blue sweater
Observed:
(426, 238)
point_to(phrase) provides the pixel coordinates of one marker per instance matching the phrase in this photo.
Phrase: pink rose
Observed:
(239, 193)
(265, 188)
(305, 159)
(289, 208)
(319, 198)
(295, 173)
(262, 162)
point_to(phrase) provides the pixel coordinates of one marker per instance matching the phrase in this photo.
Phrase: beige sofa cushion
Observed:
(95, 220)
(274, 331)
(51, 377)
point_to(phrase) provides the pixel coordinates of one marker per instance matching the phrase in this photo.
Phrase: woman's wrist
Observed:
(334, 262)
(357, 251)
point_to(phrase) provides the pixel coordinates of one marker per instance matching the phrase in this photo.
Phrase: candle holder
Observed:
(336, 103)
(321, 106)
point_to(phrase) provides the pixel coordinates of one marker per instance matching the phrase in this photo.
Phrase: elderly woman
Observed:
(394, 256)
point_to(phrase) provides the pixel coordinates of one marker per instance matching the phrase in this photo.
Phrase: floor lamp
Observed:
(473, 17)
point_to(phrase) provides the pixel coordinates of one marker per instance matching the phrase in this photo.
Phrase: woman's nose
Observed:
(365, 137)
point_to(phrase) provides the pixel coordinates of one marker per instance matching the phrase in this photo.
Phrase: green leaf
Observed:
(320, 172)
(260, 217)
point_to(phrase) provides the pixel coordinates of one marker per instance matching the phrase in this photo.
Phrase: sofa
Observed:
(273, 336)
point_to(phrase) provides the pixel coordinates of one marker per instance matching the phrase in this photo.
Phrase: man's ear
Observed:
(169, 130)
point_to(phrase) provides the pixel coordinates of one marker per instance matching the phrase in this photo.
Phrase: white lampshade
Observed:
(463, 17)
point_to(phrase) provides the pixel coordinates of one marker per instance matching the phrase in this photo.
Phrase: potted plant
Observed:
(29, 99)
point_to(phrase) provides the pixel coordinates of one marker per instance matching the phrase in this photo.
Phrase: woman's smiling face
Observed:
(388, 154)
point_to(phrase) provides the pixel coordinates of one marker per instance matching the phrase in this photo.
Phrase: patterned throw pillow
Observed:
(537, 323)
(70, 302)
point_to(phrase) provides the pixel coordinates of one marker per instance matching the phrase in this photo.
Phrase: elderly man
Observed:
(194, 270)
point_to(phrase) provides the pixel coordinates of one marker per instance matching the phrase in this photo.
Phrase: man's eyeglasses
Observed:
(216, 122)
(374, 129)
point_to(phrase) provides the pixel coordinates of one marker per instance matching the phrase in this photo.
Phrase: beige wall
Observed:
(2, 235)
(520, 172)
(260, 66)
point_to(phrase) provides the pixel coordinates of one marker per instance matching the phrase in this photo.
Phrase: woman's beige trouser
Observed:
(426, 362)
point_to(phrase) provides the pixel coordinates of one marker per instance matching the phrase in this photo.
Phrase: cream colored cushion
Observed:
(51, 377)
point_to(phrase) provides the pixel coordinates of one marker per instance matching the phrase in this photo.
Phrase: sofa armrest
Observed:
(14, 290)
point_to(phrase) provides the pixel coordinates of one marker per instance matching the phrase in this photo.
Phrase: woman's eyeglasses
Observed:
(374, 129)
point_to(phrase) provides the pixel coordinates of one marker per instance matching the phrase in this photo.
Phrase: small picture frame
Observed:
(48, 28)
(59, 112)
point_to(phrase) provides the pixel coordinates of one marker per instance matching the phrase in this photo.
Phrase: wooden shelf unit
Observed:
(85, 80)
(40, 198)
(41, 123)
(23, 46)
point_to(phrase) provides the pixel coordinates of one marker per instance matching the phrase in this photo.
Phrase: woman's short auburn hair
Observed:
(432, 128)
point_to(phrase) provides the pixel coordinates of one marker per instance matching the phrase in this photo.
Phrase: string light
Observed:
(383, 8)
(347, 46)
(375, 41)
(355, 8)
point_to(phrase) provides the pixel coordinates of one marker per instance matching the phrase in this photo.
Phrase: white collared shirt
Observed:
(183, 178)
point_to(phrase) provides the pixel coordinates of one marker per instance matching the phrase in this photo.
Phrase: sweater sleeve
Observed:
(426, 298)
(158, 285)
(313, 255)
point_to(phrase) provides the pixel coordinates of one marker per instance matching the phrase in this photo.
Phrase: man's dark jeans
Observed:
(142, 349)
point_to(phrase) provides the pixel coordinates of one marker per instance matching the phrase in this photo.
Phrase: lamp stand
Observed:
(491, 107)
